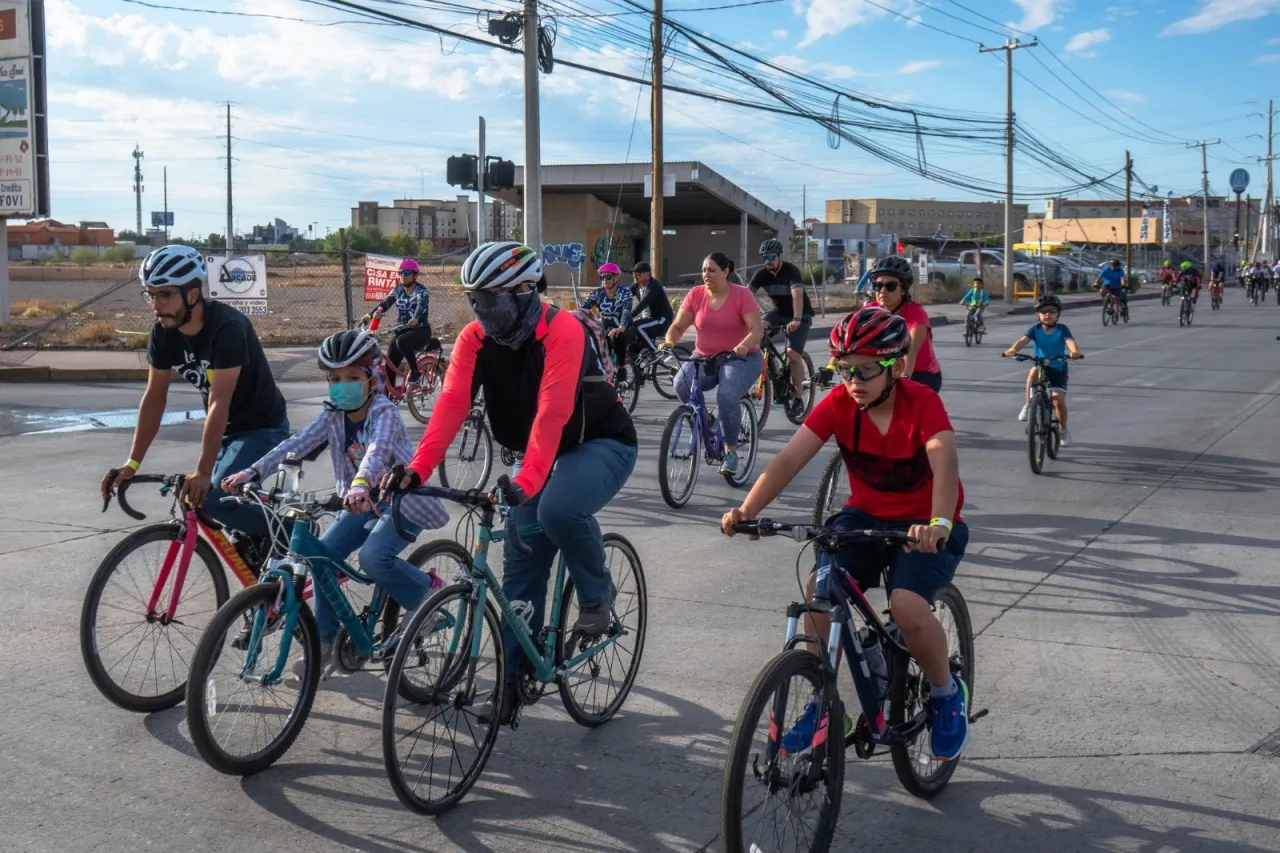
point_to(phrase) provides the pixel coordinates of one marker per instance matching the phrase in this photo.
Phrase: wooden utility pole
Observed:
(655, 111)
(1128, 214)
(1203, 145)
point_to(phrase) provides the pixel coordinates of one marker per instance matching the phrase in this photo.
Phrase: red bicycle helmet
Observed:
(870, 331)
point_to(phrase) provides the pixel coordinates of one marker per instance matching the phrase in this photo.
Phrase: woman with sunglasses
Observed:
(613, 301)
(891, 284)
(412, 300)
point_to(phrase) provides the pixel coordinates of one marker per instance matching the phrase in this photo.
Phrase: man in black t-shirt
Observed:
(653, 303)
(781, 281)
(215, 348)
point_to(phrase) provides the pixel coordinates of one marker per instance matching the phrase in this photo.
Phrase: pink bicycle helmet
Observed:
(409, 264)
(613, 268)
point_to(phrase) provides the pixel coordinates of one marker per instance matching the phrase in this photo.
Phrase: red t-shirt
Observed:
(915, 315)
(889, 475)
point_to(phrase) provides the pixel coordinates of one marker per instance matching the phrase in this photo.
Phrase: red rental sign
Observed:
(381, 275)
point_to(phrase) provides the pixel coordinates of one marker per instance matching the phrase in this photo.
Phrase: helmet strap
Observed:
(187, 306)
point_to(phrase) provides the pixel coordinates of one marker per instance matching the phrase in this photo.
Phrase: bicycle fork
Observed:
(181, 550)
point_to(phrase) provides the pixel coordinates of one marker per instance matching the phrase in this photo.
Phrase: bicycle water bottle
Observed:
(874, 656)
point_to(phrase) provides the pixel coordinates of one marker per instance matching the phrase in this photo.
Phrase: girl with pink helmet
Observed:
(413, 302)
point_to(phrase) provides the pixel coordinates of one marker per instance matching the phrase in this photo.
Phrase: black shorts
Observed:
(923, 574)
(797, 339)
(933, 380)
(1057, 377)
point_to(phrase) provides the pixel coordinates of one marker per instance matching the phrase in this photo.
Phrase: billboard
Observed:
(381, 275)
(24, 158)
(240, 282)
(161, 219)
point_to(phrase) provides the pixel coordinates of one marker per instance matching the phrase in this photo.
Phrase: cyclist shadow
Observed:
(552, 785)
(1097, 463)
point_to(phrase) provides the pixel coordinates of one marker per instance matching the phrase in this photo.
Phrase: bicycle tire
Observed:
(977, 337)
(832, 484)
(629, 391)
(747, 413)
(763, 391)
(782, 669)
(90, 611)
(664, 372)
(1106, 314)
(453, 667)
(208, 656)
(693, 440)
(968, 335)
(808, 393)
(476, 422)
(901, 692)
(421, 558)
(1053, 442)
(639, 598)
(1035, 432)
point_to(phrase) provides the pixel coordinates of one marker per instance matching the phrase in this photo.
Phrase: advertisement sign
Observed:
(240, 282)
(161, 219)
(381, 275)
(1142, 236)
(23, 162)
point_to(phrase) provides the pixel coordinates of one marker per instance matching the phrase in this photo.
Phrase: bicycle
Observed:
(891, 690)
(1043, 431)
(1186, 308)
(973, 329)
(692, 427)
(833, 489)
(432, 366)
(643, 365)
(449, 670)
(470, 452)
(1215, 295)
(1251, 292)
(1113, 310)
(775, 381)
(1166, 293)
(233, 678)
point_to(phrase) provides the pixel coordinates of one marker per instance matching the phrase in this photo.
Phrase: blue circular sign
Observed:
(1239, 180)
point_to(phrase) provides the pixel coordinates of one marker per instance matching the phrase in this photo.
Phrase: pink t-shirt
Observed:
(723, 328)
(915, 315)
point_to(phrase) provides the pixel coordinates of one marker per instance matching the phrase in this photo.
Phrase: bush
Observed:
(84, 255)
(95, 334)
(120, 254)
(59, 253)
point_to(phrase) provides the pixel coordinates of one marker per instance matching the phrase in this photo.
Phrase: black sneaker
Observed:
(594, 621)
(795, 408)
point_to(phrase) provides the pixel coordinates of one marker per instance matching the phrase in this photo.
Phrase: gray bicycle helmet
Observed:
(772, 246)
(896, 266)
(350, 348)
(173, 266)
(1048, 301)
(501, 266)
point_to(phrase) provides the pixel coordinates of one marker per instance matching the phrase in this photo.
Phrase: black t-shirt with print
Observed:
(778, 287)
(226, 340)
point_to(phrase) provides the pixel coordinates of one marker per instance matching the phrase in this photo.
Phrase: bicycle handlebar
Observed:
(469, 498)
(168, 482)
(1040, 359)
(806, 532)
(694, 357)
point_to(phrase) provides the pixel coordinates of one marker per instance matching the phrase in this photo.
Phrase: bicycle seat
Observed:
(434, 343)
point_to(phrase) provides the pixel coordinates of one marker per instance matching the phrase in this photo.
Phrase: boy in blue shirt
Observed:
(977, 299)
(1052, 340)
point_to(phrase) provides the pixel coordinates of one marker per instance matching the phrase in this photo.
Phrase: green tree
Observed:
(517, 233)
(362, 238)
(128, 236)
(426, 248)
(216, 241)
(405, 245)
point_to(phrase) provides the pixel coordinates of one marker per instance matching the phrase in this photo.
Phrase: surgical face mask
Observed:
(348, 396)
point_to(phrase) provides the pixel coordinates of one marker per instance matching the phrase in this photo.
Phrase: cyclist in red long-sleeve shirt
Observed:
(548, 399)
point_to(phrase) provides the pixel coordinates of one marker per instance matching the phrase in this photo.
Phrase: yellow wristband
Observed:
(134, 464)
(941, 522)
(360, 481)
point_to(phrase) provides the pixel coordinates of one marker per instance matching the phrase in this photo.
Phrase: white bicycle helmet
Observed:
(173, 266)
(501, 266)
(352, 347)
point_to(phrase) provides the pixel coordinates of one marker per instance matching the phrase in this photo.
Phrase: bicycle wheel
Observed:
(918, 771)
(1124, 312)
(977, 336)
(595, 689)
(1106, 314)
(807, 394)
(435, 749)
(772, 790)
(239, 724)
(762, 392)
(417, 395)
(470, 455)
(833, 489)
(135, 661)
(448, 561)
(748, 437)
(1053, 442)
(1036, 432)
(678, 458)
(665, 369)
(629, 388)
(968, 335)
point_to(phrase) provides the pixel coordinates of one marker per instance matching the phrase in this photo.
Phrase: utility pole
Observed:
(532, 132)
(1128, 214)
(1267, 221)
(656, 223)
(1008, 47)
(1204, 180)
(231, 234)
(137, 184)
(166, 204)
(804, 229)
(480, 169)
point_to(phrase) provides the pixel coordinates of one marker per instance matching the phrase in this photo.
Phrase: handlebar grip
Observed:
(747, 527)
(396, 518)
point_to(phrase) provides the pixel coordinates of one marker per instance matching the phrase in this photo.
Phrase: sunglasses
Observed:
(407, 272)
(864, 372)
(768, 259)
(887, 285)
(608, 276)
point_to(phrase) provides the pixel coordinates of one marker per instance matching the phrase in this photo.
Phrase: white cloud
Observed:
(915, 66)
(1215, 14)
(830, 17)
(780, 34)
(1036, 14)
(1082, 44)
(1267, 59)
(1126, 97)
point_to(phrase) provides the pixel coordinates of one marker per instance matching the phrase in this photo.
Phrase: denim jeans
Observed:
(732, 381)
(582, 482)
(238, 452)
(380, 547)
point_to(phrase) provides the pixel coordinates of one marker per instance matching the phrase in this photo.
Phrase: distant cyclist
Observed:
(1189, 280)
(613, 301)
(1217, 278)
(413, 302)
(1114, 282)
(792, 310)
(654, 314)
(977, 299)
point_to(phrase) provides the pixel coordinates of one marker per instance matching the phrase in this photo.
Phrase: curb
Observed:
(73, 374)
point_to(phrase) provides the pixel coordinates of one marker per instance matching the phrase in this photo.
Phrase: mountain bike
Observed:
(973, 329)
(693, 430)
(767, 792)
(470, 454)
(775, 381)
(1215, 295)
(434, 742)
(1044, 434)
(432, 366)
(1113, 310)
(245, 704)
(1186, 308)
(833, 489)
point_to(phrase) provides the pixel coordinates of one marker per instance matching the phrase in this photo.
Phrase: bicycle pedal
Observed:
(978, 715)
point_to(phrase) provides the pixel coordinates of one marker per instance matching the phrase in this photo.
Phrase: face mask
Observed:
(348, 396)
(506, 317)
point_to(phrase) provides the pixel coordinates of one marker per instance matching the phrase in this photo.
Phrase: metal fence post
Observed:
(346, 277)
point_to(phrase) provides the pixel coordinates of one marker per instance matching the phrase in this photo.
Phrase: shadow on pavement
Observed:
(1154, 466)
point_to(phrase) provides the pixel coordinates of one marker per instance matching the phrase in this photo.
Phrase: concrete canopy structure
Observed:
(592, 213)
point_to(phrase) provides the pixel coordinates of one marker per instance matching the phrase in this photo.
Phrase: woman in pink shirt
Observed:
(891, 281)
(727, 318)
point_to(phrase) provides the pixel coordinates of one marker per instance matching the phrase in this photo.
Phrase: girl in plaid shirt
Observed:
(366, 437)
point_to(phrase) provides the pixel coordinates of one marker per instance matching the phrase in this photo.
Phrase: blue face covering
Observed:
(348, 396)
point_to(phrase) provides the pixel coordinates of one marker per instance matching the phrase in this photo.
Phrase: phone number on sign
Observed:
(253, 309)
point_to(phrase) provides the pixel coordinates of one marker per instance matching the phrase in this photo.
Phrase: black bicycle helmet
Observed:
(1048, 301)
(895, 265)
(350, 348)
(772, 246)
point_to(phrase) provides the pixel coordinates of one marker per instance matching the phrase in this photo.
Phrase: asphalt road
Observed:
(1126, 605)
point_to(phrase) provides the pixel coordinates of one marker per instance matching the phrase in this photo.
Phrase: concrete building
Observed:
(593, 213)
(1093, 220)
(51, 232)
(921, 217)
(277, 233)
(449, 223)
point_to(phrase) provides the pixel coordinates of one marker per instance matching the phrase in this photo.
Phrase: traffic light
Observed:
(462, 171)
(499, 174)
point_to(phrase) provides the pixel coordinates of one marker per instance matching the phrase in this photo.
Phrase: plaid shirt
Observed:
(386, 443)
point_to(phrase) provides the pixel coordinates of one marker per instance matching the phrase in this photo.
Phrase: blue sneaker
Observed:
(950, 715)
(800, 737)
(730, 464)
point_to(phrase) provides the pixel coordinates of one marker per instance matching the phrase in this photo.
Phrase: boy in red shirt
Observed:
(900, 451)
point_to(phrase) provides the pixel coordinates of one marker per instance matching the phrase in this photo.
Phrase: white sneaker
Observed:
(1026, 410)
(1065, 437)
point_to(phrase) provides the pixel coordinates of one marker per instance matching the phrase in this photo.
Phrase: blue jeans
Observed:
(732, 381)
(238, 452)
(380, 547)
(582, 482)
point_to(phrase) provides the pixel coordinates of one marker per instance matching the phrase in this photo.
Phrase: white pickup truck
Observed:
(966, 267)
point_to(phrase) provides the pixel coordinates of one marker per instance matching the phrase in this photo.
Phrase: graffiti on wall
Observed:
(569, 254)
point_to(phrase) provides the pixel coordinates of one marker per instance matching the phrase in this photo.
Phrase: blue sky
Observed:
(324, 116)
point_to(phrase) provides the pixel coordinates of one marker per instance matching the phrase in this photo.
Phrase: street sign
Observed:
(24, 179)
(1239, 180)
